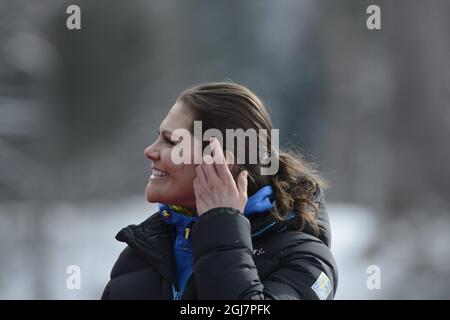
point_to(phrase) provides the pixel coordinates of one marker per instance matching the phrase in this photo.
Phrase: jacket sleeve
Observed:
(224, 267)
(105, 294)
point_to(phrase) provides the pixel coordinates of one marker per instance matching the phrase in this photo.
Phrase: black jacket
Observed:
(234, 258)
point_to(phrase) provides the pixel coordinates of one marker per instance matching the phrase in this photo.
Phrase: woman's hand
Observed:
(214, 185)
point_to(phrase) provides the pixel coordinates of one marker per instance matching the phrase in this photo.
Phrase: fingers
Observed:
(209, 170)
(201, 175)
(242, 182)
(220, 162)
(200, 183)
(229, 157)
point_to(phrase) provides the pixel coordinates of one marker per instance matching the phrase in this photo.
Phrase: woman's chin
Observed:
(152, 196)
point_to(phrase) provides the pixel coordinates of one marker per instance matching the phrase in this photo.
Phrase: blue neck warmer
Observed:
(183, 220)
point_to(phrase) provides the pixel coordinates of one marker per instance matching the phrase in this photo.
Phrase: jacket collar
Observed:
(183, 218)
(154, 238)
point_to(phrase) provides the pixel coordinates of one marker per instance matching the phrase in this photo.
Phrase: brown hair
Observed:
(227, 105)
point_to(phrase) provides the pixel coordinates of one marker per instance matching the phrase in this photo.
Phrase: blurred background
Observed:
(78, 107)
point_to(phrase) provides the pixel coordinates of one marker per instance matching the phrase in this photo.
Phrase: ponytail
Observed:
(296, 185)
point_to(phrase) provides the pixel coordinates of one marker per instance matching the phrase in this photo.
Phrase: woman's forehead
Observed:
(178, 117)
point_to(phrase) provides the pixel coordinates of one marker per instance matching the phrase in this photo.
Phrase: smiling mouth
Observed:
(157, 174)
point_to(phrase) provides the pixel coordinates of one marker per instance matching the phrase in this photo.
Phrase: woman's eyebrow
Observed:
(168, 135)
(165, 132)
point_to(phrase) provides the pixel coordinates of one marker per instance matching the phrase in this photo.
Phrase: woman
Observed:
(223, 229)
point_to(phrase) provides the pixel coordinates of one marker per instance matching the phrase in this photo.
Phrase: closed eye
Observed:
(166, 139)
(169, 141)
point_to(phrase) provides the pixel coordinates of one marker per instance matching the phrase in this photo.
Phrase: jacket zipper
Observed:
(177, 295)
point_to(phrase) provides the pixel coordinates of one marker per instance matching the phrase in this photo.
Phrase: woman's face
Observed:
(171, 183)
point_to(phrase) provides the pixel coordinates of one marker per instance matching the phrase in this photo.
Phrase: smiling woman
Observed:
(224, 230)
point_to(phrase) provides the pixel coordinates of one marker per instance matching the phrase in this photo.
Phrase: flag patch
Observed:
(322, 287)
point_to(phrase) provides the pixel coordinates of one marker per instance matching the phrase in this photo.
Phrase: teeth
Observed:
(158, 173)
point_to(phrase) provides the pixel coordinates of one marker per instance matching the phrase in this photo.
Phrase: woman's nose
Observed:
(151, 152)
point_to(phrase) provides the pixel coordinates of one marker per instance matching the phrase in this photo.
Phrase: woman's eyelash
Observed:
(169, 141)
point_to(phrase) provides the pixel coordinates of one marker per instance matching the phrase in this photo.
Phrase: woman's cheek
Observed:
(167, 160)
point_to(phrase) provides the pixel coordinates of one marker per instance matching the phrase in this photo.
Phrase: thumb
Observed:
(242, 182)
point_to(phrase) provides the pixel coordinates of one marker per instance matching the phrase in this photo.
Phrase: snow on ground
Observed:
(354, 230)
(81, 235)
